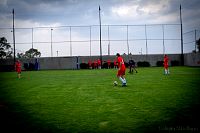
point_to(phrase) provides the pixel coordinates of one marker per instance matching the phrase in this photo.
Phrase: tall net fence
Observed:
(190, 39)
(85, 40)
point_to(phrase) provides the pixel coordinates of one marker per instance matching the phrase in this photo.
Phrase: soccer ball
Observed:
(115, 83)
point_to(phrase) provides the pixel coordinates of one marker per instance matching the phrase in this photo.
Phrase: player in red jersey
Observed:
(18, 68)
(95, 64)
(121, 69)
(99, 63)
(115, 64)
(166, 66)
(108, 61)
(90, 64)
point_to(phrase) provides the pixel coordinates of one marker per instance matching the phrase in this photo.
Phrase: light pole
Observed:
(13, 12)
(182, 56)
(108, 41)
(70, 34)
(163, 39)
(51, 44)
(100, 34)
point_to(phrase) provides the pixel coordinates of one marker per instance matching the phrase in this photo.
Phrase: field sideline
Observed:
(87, 101)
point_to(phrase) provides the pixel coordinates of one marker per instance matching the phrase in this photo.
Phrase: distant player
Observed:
(109, 63)
(90, 64)
(115, 64)
(132, 66)
(121, 69)
(18, 68)
(166, 66)
(95, 64)
(99, 63)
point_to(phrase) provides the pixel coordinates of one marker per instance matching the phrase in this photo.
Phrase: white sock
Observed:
(121, 79)
(165, 71)
(124, 80)
(168, 71)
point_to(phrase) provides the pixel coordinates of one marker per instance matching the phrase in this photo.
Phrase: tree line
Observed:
(6, 51)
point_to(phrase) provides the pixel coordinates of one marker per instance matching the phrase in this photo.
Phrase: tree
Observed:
(198, 44)
(20, 55)
(31, 53)
(5, 48)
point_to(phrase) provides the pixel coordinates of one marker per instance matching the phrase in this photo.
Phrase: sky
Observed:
(34, 20)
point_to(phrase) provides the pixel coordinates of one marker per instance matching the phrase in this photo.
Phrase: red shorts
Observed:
(18, 70)
(121, 72)
(166, 66)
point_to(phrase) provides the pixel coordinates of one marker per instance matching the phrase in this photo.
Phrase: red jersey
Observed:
(99, 62)
(115, 63)
(108, 62)
(121, 63)
(89, 63)
(166, 59)
(18, 67)
(95, 63)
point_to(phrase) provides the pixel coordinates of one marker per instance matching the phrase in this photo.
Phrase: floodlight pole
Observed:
(90, 39)
(146, 38)
(182, 56)
(108, 41)
(195, 39)
(51, 44)
(32, 38)
(13, 12)
(100, 34)
(163, 30)
(70, 34)
(127, 40)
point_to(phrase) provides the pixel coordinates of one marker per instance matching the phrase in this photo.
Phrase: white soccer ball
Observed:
(115, 83)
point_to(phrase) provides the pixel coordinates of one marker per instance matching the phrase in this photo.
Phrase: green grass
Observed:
(87, 101)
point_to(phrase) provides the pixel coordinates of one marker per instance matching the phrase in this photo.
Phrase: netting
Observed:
(85, 40)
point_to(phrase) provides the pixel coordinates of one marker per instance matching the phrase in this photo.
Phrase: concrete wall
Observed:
(152, 59)
(46, 63)
(192, 59)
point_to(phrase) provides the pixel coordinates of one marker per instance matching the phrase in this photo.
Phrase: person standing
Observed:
(109, 63)
(95, 64)
(166, 66)
(121, 69)
(99, 63)
(18, 68)
(115, 64)
(90, 64)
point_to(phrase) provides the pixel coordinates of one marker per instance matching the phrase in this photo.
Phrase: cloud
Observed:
(3, 2)
(124, 11)
(153, 7)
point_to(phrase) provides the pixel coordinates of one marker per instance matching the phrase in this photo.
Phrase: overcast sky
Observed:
(53, 13)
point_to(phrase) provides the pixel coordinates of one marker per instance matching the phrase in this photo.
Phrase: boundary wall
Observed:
(55, 63)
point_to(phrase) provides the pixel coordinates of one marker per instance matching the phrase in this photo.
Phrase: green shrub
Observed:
(159, 63)
(143, 64)
(175, 63)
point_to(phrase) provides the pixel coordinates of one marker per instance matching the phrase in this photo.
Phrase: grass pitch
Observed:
(87, 101)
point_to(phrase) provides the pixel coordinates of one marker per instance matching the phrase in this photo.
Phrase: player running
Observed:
(18, 68)
(121, 69)
(166, 59)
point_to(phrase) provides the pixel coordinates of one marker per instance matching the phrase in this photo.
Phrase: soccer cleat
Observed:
(124, 85)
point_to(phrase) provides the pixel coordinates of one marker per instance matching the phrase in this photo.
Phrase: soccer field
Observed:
(86, 101)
